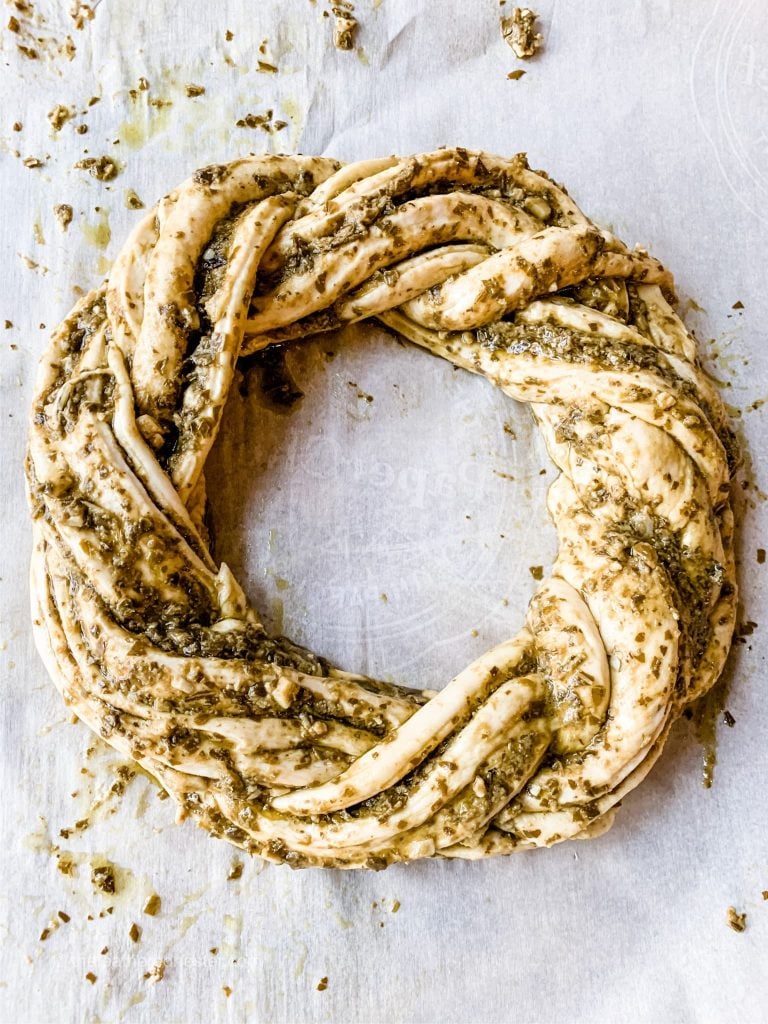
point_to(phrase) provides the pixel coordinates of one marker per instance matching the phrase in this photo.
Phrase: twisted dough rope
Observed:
(487, 264)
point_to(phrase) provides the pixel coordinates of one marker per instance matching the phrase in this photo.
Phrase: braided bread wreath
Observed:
(492, 266)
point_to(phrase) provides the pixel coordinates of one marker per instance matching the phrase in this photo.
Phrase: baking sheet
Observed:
(395, 536)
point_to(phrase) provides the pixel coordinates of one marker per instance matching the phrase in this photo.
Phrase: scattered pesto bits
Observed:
(63, 214)
(59, 116)
(736, 920)
(322, 985)
(103, 878)
(80, 13)
(132, 201)
(194, 90)
(264, 121)
(157, 973)
(519, 32)
(152, 906)
(344, 25)
(103, 168)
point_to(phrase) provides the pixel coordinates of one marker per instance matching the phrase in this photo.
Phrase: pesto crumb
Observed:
(134, 932)
(103, 168)
(104, 878)
(736, 920)
(80, 13)
(152, 906)
(157, 973)
(59, 116)
(235, 871)
(518, 30)
(516, 75)
(194, 90)
(254, 120)
(90, 976)
(345, 24)
(761, 556)
(63, 213)
(537, 571)
(322, 985)
(226, 990)
(132, 201)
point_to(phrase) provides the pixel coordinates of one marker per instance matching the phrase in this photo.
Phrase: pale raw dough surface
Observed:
(660, 141)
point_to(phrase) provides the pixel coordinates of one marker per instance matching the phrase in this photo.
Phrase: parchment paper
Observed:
(395, 535)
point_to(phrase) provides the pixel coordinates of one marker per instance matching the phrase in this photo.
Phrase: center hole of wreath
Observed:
(394, 520)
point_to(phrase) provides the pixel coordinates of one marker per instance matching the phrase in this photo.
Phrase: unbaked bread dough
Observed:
(155, 646)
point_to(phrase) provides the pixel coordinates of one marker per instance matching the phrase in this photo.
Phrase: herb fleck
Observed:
(132, 201)
(63, 213)
(104, 878)
(103, 168)
(518, 30)
(152, 906)
(736, 920)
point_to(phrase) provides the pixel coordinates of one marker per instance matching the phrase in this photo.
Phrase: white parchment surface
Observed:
(390, 520)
